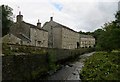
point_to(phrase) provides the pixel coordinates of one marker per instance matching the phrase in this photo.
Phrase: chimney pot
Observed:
(19, 17)
(39, 24)
(51, 18)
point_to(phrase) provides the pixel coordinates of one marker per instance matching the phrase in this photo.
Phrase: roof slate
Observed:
(33, 26)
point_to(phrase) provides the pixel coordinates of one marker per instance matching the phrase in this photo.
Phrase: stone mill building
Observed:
(60, 36)
(24, 33)
(51, 35)
(86, 41)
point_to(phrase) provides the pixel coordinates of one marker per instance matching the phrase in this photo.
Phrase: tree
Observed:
(109, 39)
(6, 19)
(117, 16)
(82, 32)
(117, 21)
(97, 33)
(105, 39)
(86, 33)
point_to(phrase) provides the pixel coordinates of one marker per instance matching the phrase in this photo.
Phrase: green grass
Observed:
(101, 66)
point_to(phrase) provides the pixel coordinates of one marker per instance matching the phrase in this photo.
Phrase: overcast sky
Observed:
(80, 15)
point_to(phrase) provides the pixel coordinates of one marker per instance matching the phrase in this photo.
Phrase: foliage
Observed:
(6, 50)
(52, 60)
(6, 19)
(101, 66)
(86, 33)
(9, 50)
(96, 34)
(108, 38)
(117, 16)
(38, 73)
(82, 32)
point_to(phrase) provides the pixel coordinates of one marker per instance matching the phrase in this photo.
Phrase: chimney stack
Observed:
(39, 24)
(19, 17)
(51, 18)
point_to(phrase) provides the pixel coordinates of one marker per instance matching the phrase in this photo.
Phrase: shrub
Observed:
(101, 66)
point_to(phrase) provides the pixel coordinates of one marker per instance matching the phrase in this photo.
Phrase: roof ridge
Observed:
(63, 26)
(35, 27)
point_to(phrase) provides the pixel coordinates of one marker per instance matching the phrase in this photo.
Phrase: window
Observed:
(39, 42)
(21, 42)
(51, 28)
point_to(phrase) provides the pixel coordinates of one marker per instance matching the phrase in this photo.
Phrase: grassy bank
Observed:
(102, 66)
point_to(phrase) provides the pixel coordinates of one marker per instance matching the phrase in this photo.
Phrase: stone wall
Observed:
(23, 67)
(86, 41)
(10, 38)
(49, 26)
(57, 37)
(39, 37)
(69, 39)
(27, 66)
(20, 27)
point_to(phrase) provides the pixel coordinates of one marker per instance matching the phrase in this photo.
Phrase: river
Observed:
(70, 71)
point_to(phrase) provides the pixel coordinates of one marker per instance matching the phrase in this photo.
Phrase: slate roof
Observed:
(58, 24)
(33, 26)
(86, 36)
(24, 37)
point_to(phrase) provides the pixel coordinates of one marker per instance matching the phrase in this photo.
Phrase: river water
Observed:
(70, 71)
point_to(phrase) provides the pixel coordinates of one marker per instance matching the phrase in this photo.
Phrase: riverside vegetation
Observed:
(104, 64)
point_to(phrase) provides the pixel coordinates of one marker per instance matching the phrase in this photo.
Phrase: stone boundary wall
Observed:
(23, 67)
(31, 65)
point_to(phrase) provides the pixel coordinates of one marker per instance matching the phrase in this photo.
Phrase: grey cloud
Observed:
(96, 16)
(85, 16)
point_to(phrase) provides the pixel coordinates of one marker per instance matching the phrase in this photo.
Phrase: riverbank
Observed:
(71, 70)
(102, 66)
(33, 63)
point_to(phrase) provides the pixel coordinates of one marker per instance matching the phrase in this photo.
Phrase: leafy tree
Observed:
(82, 32)
(117, 21)
(97, 33)
(6, 19)
(117, 16)
(86, 33)
(109, 39)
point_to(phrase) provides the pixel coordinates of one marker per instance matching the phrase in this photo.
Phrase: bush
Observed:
(6, 49)
(10, 49)
(101, 66)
